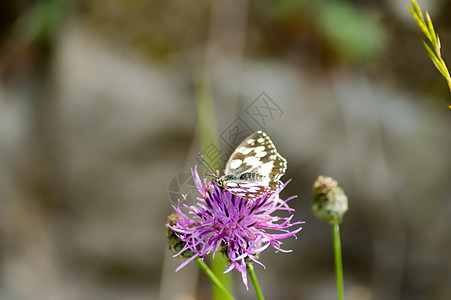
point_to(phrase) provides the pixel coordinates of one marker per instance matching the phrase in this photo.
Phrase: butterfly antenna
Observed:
(206, 162)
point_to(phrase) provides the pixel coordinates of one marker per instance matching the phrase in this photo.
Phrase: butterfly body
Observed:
(254, 168)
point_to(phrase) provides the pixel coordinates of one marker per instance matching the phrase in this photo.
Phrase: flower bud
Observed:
(175, 244)
(329, 200)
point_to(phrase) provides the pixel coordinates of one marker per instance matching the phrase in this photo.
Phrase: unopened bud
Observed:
(329, 200)
(175, 244)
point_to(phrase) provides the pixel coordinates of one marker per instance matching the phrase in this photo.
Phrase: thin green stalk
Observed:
(206, 115)
(208, 134)
(213, 278)
(258, 291)
(338, 260)
(217, 264)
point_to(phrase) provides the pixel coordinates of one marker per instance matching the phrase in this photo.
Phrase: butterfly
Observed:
(254, 168)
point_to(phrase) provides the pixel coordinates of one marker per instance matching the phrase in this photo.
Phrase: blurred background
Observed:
(99, 106)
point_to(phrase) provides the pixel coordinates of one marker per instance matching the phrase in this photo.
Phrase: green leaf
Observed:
(431, 29)
(422, 26)
(437, 47)
(434, 59)
(417, 9)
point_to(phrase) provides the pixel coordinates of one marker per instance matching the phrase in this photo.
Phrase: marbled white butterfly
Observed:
(254, 168)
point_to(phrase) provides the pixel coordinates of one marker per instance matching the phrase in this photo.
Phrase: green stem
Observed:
(213, 278)
(258, 291)
(338, 260)
(217, 265)
(208, 137)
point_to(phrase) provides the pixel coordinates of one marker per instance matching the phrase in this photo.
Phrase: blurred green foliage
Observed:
(42, 21)
(354, 33)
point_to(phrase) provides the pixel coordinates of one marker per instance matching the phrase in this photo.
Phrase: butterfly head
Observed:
(220, 181)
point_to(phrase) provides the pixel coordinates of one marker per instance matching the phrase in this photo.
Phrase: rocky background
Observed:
(99, 126)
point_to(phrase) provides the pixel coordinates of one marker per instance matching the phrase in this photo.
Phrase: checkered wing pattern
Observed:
(254, 168)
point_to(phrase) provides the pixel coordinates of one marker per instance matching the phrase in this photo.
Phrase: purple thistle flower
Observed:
(238, 226)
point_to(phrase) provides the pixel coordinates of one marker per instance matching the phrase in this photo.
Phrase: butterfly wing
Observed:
(257, 154)
(252, 190)
(256, 167)
(236, 164)
(247, 190)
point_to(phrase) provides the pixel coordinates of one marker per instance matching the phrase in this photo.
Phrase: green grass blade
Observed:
(417, 9)
(435, 59)
(422, 25)
(431, 29)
